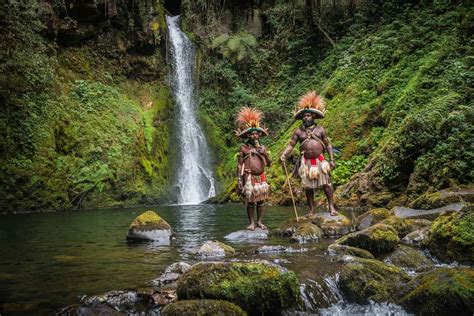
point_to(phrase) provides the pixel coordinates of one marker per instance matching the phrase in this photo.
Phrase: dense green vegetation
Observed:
(395, 76)
(85, 109)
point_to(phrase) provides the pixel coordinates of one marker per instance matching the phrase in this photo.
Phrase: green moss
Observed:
(451, 236)
(149, 220)
(256, 287)
(202, 308)
(362, 280)
(377, 239)
(442, 291)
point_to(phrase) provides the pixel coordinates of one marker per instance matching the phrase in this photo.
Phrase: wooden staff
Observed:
(291, 191)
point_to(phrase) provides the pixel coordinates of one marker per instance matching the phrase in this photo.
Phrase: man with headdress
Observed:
(252, 160)
(313, 169)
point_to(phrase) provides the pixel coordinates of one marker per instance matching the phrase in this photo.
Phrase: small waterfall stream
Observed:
(195, 180)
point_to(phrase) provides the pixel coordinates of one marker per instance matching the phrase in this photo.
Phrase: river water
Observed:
(49, 260)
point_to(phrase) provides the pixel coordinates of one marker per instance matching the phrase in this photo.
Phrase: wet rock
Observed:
(202, 307)
(178, 267)
(279, 249)
(129, 302)
(447, 291)
(171, 275)
(215, 249)
(371, 217)
(416, 237)
(405, 212)
(451, 236)
(150, 226)
(93, 310)
(377, 239)
(289, 227)
(307, 232)
(409, 259)
(320, 293)
(401, 225)
(333, 226)
(364, 280)
(444, 197)
(247, 235)
(341, 250)
(257, 287)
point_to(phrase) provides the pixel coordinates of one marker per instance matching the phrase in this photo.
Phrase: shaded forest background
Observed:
(87, 115)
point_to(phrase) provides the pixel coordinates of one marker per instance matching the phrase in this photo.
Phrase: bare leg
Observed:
(260, 212)
(329, 191)
(310, 199)
(250, 212)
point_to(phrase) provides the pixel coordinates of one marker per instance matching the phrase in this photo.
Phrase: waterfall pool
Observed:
(49, 260)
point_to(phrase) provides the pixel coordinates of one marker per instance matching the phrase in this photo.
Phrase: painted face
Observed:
(308, 119)
(254, 135)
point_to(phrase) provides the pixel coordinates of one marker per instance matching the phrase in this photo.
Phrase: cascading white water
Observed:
(195, 179)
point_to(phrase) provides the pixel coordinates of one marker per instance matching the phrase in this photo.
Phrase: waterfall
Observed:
(194, 176)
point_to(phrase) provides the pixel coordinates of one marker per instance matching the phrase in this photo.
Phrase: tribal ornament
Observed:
(248, 120)
(311, 102)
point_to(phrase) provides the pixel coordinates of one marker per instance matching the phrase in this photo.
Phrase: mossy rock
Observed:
(214, 248)
(149, 226)
(409, 258)
(402, 226)
(364, 280)
(451, 237)
(289, 227)
(307, 232)
(338, 249)
(332, 226)
(444, 197)
(447, 291)
(202, 308)
(257, 287)
(371, 217)
(377, 239)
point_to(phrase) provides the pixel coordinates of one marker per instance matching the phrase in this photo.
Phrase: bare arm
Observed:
(327, 142)
(262, 150)
(291, 145)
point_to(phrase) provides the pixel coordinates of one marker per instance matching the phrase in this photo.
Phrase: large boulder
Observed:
(257, 287)
(371, 217)
(447, 291)
(405, 212)
(377, 239)
(342, 250)
(215, 249)
(451, 237)
(202, 308)
(333, 226)
(409, 259)
(444, 197)
(307, 232)
(149, 226)
(364, 280)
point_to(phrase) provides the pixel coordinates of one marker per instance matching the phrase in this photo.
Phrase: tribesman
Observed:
(252, 160)
(312, 167)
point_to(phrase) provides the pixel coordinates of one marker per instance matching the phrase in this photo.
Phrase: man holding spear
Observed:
(313, 168)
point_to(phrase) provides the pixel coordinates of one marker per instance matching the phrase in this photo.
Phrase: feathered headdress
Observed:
(248, 120)
(311, 102)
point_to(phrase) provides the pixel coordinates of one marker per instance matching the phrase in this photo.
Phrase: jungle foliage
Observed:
(395, 74)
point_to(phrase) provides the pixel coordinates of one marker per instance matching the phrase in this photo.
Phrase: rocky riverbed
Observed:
(384, 260)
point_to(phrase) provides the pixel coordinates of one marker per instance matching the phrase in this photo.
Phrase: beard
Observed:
(308, 123)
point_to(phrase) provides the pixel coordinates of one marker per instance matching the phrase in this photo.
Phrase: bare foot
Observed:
(311, 213)
(262, 226)
(251, 227)
(333, 211)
